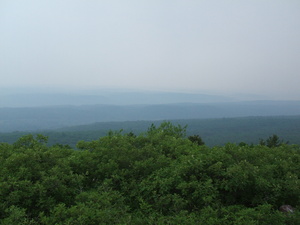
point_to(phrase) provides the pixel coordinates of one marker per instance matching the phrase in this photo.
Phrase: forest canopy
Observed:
(157, 177)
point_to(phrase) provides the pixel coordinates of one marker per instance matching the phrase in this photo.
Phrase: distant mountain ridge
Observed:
(53, 117)
(112, 98)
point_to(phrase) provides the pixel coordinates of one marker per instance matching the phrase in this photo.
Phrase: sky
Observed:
(205, 46)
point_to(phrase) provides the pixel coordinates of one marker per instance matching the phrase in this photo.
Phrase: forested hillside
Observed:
(213, 131)
(159, 177)
(54, 117)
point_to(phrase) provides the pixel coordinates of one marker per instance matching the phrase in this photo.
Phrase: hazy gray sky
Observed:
(222, 46)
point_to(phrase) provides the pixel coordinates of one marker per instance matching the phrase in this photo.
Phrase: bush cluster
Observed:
(159, 177)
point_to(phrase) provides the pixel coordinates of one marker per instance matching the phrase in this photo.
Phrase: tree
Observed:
(196, 139)
(31, 141)
(272, 141)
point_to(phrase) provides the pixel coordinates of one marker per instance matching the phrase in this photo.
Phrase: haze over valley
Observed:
(213, 47)
(67, 63)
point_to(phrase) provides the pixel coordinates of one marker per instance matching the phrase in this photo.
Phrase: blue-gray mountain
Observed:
(41, 118)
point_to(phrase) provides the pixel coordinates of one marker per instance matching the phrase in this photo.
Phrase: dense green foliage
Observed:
(159, 177)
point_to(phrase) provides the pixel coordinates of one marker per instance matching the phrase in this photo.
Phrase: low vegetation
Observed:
(157, 177)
